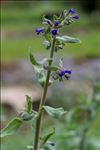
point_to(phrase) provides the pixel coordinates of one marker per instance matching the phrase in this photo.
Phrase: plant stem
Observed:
(43, 99)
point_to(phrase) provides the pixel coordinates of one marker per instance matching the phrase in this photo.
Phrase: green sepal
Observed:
(55, 112)
(55, 17)
(11, 127)
(68, 39)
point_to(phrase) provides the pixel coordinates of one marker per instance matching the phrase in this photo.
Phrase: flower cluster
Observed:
(61, 74)
(64, 73)
(72, 14)
(65, 19)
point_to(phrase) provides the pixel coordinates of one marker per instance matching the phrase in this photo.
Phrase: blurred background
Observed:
(18, 22)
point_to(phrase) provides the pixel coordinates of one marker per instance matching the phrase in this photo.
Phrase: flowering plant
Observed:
(46, 74)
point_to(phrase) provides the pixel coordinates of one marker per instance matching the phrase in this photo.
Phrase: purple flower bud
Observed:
(76, 17)
(49, 22)
(68, 71)
(38, 30)
(54, 32)
(56, 23)
(65, 73)
(61, 73)
(71, 11)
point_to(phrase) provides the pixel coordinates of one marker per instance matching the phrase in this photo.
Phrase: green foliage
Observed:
(25, 116)
(45, 138)
(11, 127)
(68, 39)
(39, 69)
(54, 112)
(28, 104)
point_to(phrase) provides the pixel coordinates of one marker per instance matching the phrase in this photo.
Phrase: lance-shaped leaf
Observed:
(68, 39)
(54, 112)
(11, 127)
(45, 138)
(33, 60)
(39, 63)
(28, 104)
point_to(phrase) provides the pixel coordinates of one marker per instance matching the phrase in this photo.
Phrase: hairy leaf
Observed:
(25, 116)
(54, 112)
(68, 39)
(38, 63)
(11, 127)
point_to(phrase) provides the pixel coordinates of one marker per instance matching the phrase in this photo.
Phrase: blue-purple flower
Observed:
(64, 73)
(54, 32)
(71, 11)
(76, 17)
(56, 23)
(73, 14)
(39, 30)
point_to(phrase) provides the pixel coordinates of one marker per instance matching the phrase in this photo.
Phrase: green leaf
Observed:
(28, 104)
(68, 39)
(48, 136)
(54, 112)
(39, 63)
(40, 75)
(11, 127)
(39, 70)
(25, 116)
(33, 61)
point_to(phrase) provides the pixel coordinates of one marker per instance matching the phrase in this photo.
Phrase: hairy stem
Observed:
(43, 99)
